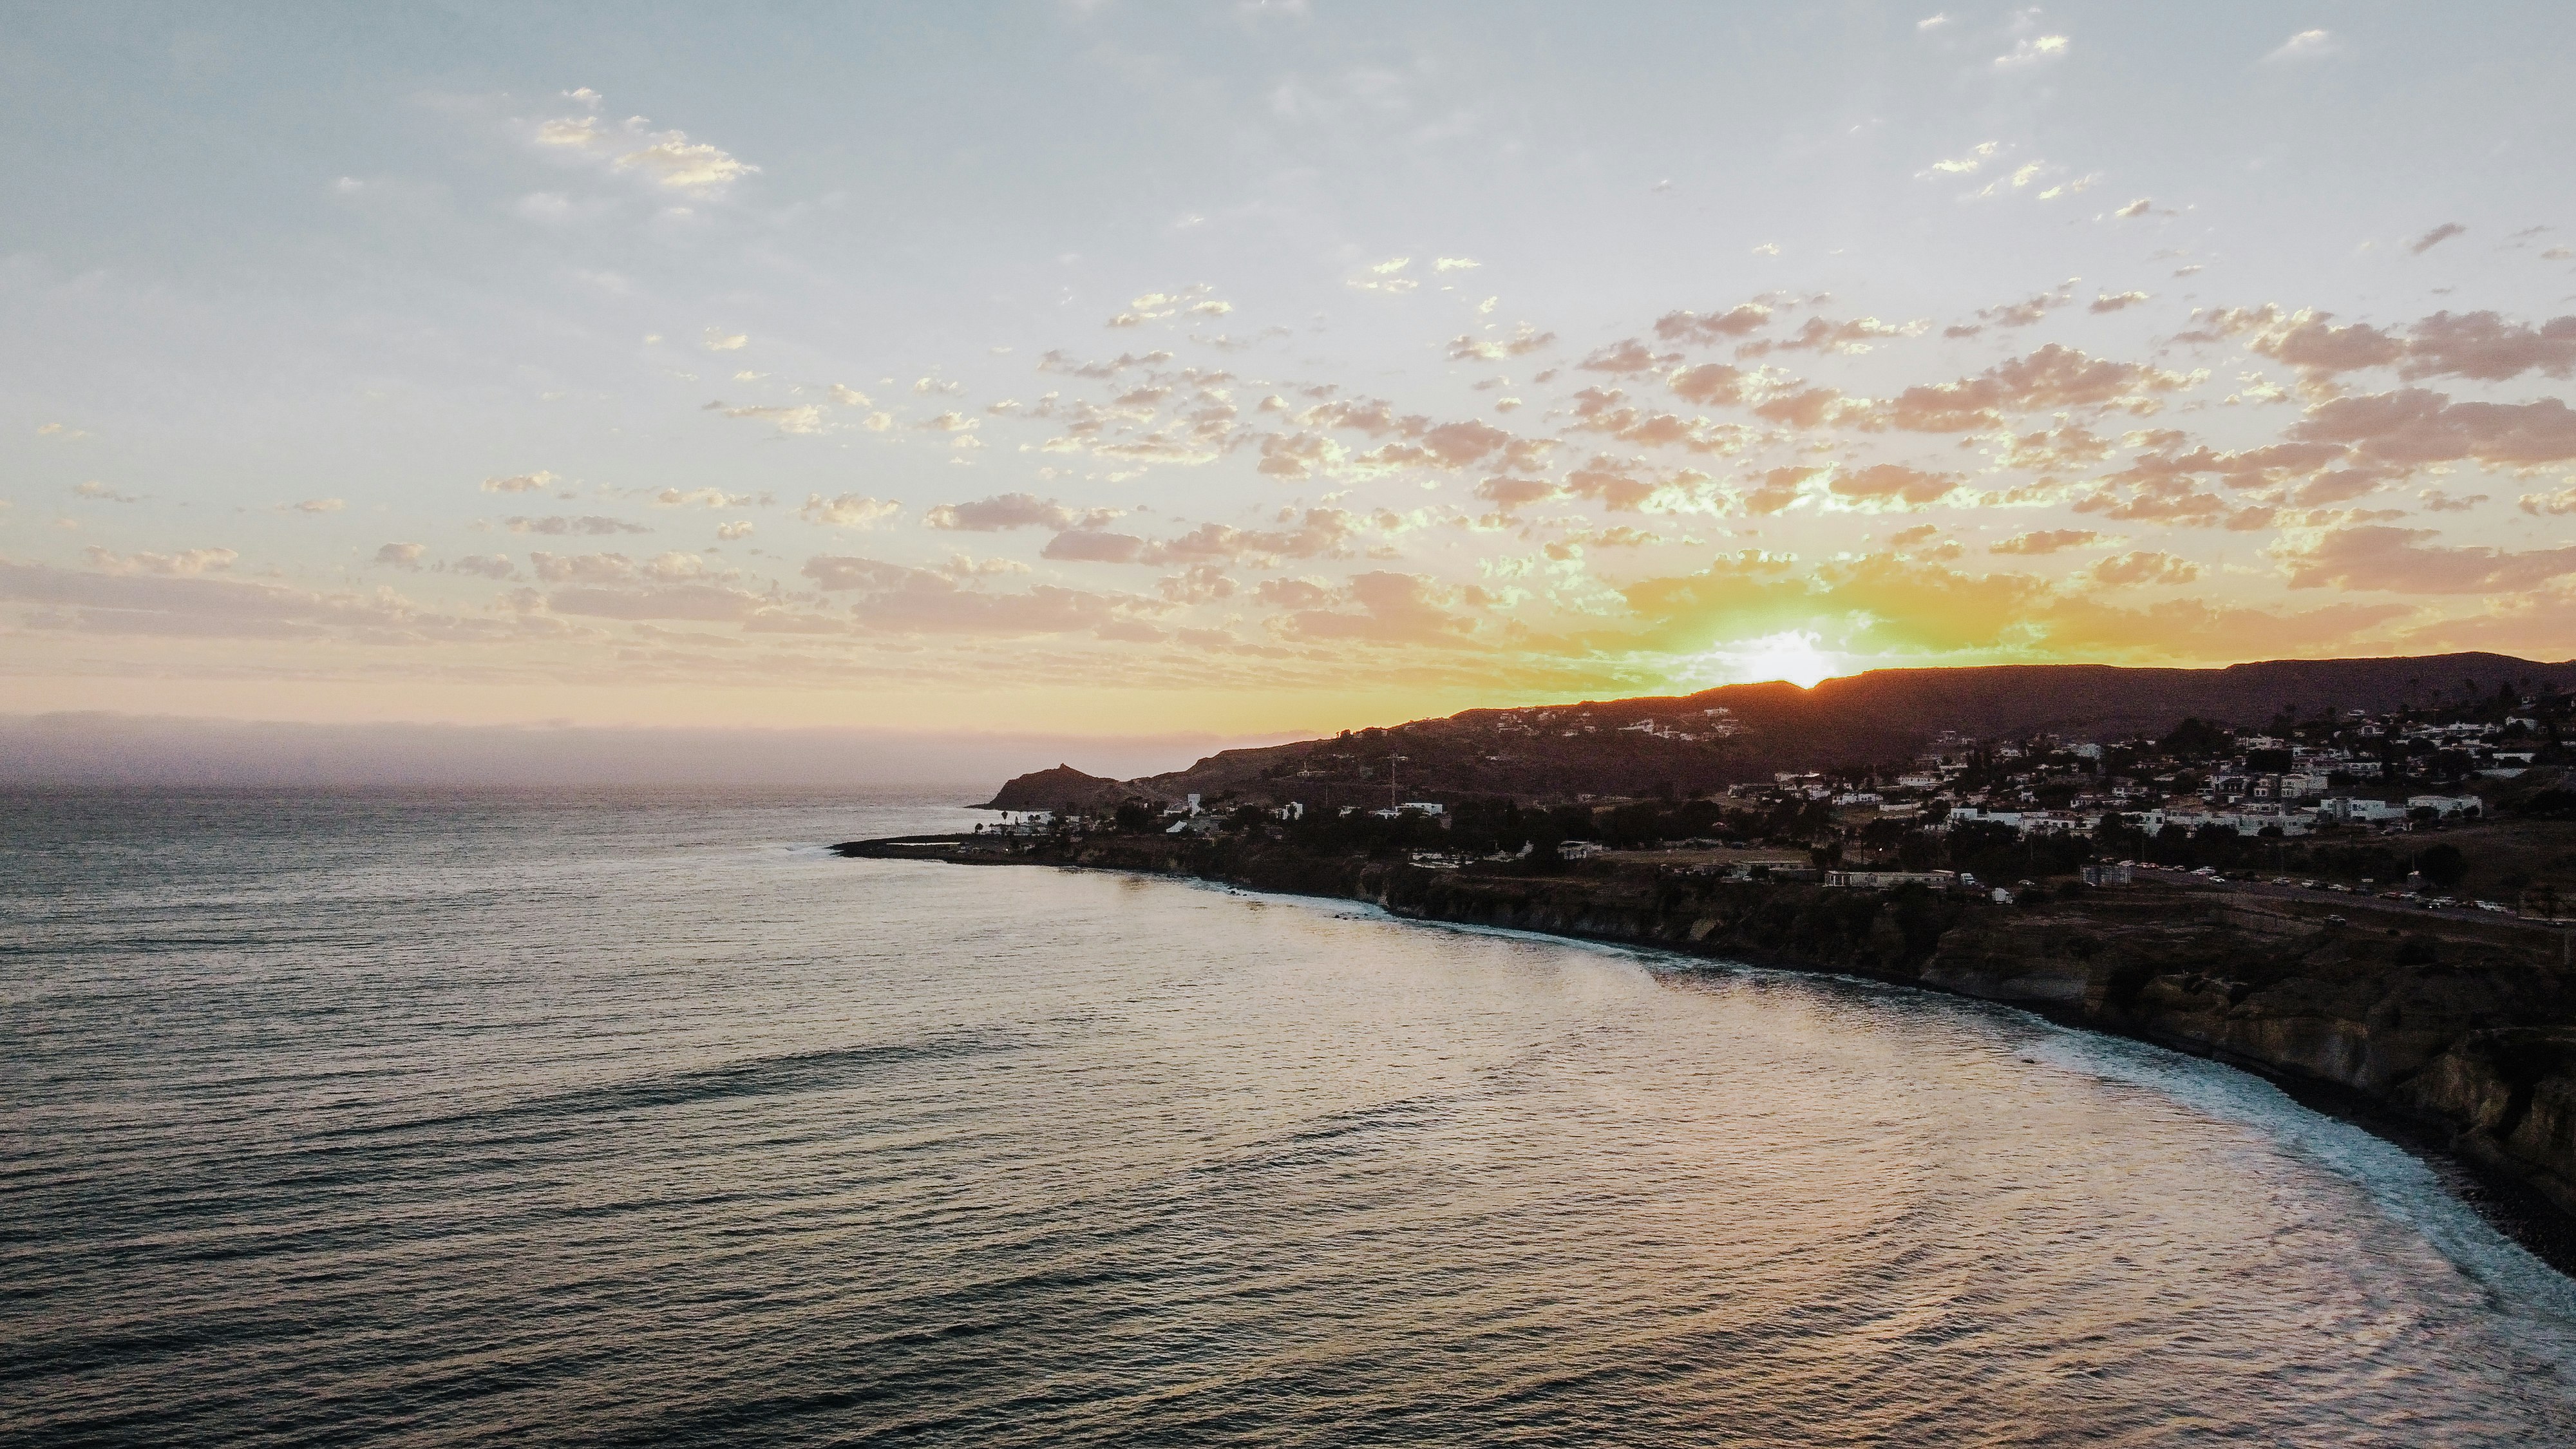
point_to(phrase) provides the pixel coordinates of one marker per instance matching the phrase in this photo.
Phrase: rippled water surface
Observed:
(642, 1119)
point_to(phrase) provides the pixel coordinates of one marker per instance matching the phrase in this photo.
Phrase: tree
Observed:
(2443, 865)
(2195, 738)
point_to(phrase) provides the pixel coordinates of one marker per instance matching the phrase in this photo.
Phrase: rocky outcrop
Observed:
(1063, 787)
(2513, 1089)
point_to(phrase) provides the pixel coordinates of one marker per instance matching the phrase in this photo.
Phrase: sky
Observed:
(1118, 370)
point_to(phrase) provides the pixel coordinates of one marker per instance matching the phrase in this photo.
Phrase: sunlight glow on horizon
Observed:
(1789, 655)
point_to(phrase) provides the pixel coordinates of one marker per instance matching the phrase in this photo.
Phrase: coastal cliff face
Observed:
(2448, 1028)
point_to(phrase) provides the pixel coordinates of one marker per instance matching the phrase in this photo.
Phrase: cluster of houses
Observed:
(2357, 771)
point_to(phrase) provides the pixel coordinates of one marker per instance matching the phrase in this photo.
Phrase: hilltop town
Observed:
(2346, 796)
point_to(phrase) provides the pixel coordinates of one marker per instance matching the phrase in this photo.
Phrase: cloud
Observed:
(2033, 50)
(1507, 494)
(1623, 359)
(2550, 505)
(1710, 384)
(802, 418)
(2414, 426)
(1968, 162)
(401, 555)
(2116, 301)
(582, 568)
(710, 497)
(2484, 346)
(667, 158)
(1155, 306)
(2143, 568)
(1014, 510)
(1055, 360)
(719, 340)
(849, 510)
(588, 524)
(167, 565)
(317, 505)
(486, 565)
(2139, 207)
(2435, 237)
(2399, 560)
(728, 532)
(1318, 532)
(674, 160)
(2480, 345)
(1931, 22)
(2051, 378)
(1737, 321)
(2049, 540)
(1093, 547)
(1468, 347)
(1456, 264)
(1892, 484)
(1779, 488)
(2306, 45)
(1819, 334)
(93, 489)
(521, 482)
(2026, 312)
(1382, 277)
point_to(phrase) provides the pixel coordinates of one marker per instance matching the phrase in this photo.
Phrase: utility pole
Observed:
(1394, 799)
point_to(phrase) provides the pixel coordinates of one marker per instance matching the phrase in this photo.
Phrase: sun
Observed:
(1791, 655)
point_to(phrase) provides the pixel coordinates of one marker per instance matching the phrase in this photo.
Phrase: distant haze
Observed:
(167, 751)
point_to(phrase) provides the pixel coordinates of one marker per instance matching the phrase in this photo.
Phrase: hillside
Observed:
(1695, 742)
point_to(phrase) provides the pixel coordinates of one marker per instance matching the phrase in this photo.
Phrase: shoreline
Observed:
(1971, 955)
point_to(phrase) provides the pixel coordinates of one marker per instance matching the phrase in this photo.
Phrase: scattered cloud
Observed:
(2048, 541)
(2406, 560)
(667, 159)
(2306, 45)
(591, 524)
(2438, 235)
(2032, 51)
(848, 510)
(1006, 511)
(2143, 567)
(166, 565)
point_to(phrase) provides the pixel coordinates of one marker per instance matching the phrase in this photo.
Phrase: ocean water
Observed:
(642, 1119)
